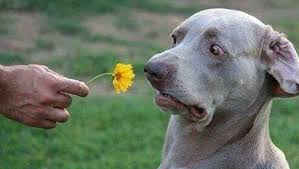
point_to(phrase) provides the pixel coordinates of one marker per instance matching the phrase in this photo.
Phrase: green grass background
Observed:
(107, 130)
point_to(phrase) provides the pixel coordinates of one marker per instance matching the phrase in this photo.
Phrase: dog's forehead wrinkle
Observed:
(211, 33)
(238, 39)
(233, 27)
(179, 30)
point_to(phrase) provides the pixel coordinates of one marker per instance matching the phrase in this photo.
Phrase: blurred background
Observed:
(83, 38)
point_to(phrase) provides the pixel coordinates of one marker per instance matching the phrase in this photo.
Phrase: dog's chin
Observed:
(171, 104)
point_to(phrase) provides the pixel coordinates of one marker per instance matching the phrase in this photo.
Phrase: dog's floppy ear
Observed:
(281, 60)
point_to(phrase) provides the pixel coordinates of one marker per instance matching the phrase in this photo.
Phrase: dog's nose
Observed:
(156, 70)
(158, 73)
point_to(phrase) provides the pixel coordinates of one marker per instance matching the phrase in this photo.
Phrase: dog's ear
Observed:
(281, 60)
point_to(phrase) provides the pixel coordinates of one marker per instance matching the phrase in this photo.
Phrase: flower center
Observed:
(117, 76)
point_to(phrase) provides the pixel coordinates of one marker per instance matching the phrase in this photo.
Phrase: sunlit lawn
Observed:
(115, 132)
(106, 130)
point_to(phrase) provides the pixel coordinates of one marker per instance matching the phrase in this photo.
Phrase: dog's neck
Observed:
(185, 144)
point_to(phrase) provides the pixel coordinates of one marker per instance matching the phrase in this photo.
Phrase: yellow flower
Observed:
(123, 77)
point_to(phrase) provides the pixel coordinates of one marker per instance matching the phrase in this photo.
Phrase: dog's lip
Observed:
(167, 101)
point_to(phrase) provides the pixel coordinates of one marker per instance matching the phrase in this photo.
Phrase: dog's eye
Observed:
(174, 39)
(216, 50)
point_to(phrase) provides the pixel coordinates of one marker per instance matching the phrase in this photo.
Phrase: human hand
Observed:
(37, 96)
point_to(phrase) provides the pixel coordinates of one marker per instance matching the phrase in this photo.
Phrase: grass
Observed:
(86, 64)
(290, 27)
(118, 132)
(6, 24)
(283, 4)
(8, 58)
(67, 26)
(284, 128)
(120, 41)
(44, 43)
(103, 131)
(74, 7)
(109, 131)
(126, 21)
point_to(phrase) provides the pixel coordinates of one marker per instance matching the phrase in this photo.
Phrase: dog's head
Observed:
(219, 61)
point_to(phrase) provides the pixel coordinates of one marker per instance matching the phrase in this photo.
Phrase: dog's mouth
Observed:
(168, 102)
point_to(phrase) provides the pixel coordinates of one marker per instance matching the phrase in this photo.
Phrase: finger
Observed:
(46, 124)
(72, 86)
(55, 114)
(31, 121)
(53, 72)
(62, 101)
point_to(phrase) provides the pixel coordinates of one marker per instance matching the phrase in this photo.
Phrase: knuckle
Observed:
(35, 109)
(35, 66)
(44, 99)
(82, 89)
(45, 67)
(77, 85)
(40, 113)
(39, 68)
(53, 82)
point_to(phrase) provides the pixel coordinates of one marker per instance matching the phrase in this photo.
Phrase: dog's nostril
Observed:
(147, 71)
(151, 69)
(157, 71)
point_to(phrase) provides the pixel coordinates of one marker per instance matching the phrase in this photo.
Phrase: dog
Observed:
(218, 81)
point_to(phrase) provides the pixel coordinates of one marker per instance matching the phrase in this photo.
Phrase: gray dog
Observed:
(218, 81)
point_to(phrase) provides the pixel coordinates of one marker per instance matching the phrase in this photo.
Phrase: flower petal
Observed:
(123, 77)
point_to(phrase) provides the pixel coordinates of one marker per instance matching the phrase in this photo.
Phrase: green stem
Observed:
(96, 77)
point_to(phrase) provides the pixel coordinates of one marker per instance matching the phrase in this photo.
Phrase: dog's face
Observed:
(214, 65)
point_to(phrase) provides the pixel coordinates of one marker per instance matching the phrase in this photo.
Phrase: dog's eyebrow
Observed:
(178, 31)
(211, 33)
